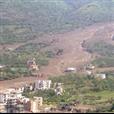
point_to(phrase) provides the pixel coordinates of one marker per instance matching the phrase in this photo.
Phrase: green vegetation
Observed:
(104, 62)
(31, 47)
(87, 90)
(100, 47)
(13, 72)
(25, 20)
(16, 61)
(105, 50)
(14, 33)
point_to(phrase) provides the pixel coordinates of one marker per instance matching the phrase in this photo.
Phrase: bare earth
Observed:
(73, 54)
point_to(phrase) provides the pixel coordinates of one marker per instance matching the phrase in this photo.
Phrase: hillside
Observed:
(74, 55)
(41, 39)
(30, 29)
(23, 20)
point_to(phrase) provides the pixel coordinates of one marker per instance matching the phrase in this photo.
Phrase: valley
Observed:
(56, 56)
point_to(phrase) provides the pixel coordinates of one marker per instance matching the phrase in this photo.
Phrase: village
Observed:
(13, 101)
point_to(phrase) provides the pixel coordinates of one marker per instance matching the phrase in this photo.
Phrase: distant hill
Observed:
(21, 20)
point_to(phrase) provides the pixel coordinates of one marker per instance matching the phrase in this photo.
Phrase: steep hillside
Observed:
(23, 20)
(24, 28)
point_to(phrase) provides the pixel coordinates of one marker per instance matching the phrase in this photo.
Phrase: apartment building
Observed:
(43, 84)
(36, 103)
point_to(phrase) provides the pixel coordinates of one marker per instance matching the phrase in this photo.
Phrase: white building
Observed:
(58, 89)
(2, 66)
(5, 96)
(102, 76)
(42, 84)
(90, 67)
(39, 100)
(36, 103)
(34, 108)
(70, 69)
(2, 98)
(89, 72)
(32, 64)
(2, 108)
(47, 110)
(16, 95)
(9, 94)
(24, 99)
(31, 87)
(21, 89)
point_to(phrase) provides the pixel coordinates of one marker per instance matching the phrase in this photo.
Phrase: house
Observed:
(31, 87)
(9, 94)
(70, 69)
(40, 100)
(2, 108)
(27, 105)
(2, 66)
(34, 107)
(31, 64)
(11, 106)
(36, 103)
(101, 75)
(25, 100)
(20, 107)
(17, 95)
(2, 98)
(47, 110)
(16, 89)
(14, 101)
(58, 89)
(90, 67)
(9, 49)
(89, 72)
(43, 84)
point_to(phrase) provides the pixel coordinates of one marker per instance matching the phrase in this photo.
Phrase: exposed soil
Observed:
(73, 54)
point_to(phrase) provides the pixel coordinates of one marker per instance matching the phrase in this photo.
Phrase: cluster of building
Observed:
(46, 84)
(90, 71)
(32, 66)
(13, 101)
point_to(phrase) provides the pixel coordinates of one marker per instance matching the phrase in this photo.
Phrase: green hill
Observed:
(24, 19)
